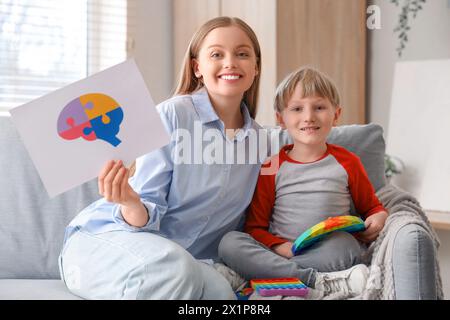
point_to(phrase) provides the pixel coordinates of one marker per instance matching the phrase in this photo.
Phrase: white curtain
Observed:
(47, 44)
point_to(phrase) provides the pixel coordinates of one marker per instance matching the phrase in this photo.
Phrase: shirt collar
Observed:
(285, 157)
(206, 112)
(248, 123)
(203, 106)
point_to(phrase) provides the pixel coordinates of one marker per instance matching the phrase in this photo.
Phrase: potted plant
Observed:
(392, 166)
(409, 8)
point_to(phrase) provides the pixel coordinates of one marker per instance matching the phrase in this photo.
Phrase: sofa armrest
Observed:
(414, 264)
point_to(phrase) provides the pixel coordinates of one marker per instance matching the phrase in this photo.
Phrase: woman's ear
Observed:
(280, 120)
(337, 115)
(195, 68)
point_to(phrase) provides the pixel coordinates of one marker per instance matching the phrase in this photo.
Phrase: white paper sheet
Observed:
(419, 130)
(71, 133)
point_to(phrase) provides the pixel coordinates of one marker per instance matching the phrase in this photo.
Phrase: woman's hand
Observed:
(113, 185)
(284, 249)
(374, 224)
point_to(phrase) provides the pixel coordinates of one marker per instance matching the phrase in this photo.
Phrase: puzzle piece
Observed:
(97, 104)
(107, 131)
(74, 110)
(78, 131)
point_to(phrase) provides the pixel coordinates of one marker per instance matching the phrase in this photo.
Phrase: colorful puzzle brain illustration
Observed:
(91, 116)
(322, 229)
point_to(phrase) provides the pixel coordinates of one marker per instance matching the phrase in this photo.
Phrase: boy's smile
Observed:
(310, 129)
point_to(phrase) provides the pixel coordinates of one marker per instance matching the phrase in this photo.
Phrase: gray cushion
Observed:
(366, 141)
(32, 225)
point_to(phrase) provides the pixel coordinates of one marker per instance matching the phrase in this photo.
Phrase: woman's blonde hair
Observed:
(312, 82)
(188, 82)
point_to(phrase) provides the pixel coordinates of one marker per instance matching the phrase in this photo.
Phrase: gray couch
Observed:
(32, 225)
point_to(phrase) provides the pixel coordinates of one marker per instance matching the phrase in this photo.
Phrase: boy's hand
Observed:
(284, 249)
(374, 224)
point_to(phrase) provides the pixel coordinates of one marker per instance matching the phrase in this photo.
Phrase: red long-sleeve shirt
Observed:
(294, 196)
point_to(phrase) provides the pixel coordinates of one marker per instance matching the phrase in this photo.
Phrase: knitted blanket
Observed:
(403, 209)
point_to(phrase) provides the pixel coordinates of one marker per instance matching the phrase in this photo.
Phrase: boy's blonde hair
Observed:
(313, 83)
(188, 82)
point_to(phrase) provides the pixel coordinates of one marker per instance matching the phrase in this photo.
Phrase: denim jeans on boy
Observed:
(251, 259)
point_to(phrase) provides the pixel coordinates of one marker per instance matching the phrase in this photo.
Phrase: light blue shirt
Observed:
(194, 205)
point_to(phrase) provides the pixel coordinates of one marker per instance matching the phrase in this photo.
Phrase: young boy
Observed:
(314, 180)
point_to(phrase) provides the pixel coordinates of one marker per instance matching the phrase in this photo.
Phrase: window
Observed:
(48, 44)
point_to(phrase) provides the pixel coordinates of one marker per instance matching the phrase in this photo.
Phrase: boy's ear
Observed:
(337, 115)
(280, 120)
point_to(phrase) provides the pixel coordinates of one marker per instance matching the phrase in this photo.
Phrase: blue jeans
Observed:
(136, 265)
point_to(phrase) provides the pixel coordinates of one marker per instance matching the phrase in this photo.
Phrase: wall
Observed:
(151, 46)
(428, 39)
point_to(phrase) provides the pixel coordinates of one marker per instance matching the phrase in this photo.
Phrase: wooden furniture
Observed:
(327, 34)
(438, 219)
